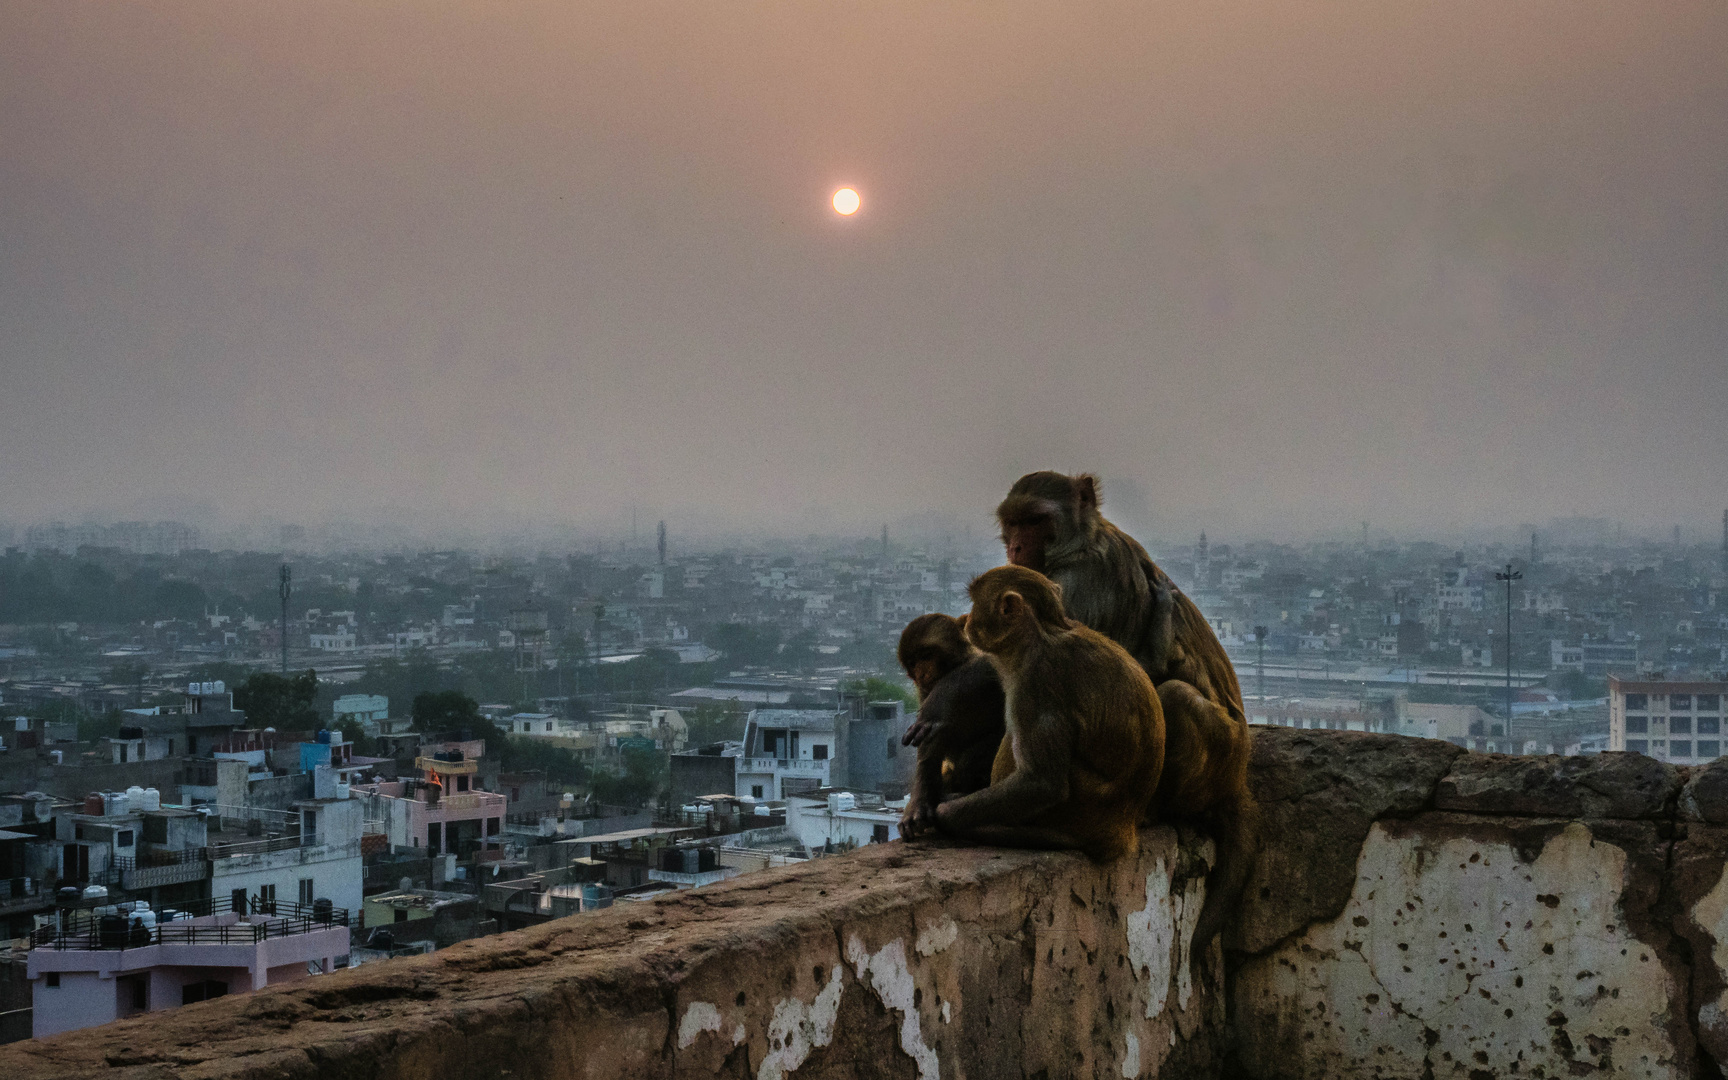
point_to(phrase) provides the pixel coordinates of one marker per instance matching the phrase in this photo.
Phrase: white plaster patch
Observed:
(892, 982)
(947, 1010)
(1711, 913)
(933, 939)
(1187, 917)
(1452, 949)
(1131, 1057)
(699, 1017)
(1150, 937)
(798, 1028)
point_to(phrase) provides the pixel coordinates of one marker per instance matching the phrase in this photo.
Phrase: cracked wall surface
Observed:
(1416, 912)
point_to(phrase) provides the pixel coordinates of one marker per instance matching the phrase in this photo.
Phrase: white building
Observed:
(840, 820)
(1679, 722)
(316, 855)
(340, 640)
(788, 750)
(361, 708)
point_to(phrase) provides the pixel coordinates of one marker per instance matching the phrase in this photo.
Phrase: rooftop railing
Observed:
(264, 920)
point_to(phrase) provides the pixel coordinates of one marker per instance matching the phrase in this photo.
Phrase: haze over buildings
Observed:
(1266, 268)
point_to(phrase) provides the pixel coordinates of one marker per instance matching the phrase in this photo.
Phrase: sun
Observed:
(846, 202)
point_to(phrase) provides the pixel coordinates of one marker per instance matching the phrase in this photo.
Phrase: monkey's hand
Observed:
(919, 730)
(918, 820)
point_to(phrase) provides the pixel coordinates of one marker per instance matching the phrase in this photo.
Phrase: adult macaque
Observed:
(1085, 742)
(960, 716)
(1051, 523)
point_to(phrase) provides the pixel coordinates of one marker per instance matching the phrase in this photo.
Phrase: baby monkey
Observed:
(960, 716)
(1085, 743)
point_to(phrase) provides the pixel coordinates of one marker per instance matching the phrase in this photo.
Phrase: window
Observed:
(1709, 702)
(755, 791)
(1638, 746)
(1709, 725)
(267, 899)
(1680, 702)
(1657, 701)
(548, 725)
(202, 991)
(1679, 725)
(491, 826)
(878, 834)
(306, 892)
(1637, 701)
(819, 752)
(125, 838)
(137, 988)
(461, 783)
(52, 980)
(1638, 724)
(401, 914)
(1680, 748)
(1709, 748)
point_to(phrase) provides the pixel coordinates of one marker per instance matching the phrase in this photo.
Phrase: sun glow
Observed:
(846, 202)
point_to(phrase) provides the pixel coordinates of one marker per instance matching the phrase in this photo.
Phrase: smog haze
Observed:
(1262, 266)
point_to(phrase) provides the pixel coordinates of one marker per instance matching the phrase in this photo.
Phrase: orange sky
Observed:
(1265, 266)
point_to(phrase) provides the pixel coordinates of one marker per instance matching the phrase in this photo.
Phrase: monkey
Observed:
(960, 716)
(1051, 523)
(1085, 743)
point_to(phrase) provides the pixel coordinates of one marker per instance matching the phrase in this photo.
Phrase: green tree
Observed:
(446, 710)
(355, 732)
(285, 703)
(638, 783)
(875, 688)
(714, 721)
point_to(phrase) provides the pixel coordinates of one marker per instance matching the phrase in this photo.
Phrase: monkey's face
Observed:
(1026, 539)
(1009, 603)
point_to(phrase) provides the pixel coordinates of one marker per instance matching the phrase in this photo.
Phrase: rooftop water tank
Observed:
(840, 801)
(324, 736)
(135, 796)
(93, 803)
(219, 687)
(152, 799)
(117, 803)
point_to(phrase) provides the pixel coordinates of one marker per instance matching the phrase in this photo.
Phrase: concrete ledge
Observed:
(1415, 911)
(909, 961)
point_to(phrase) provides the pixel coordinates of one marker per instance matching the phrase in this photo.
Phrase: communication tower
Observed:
(661, 531)
(285, 590)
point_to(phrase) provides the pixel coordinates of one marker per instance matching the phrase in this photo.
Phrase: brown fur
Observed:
(1051, 522)
(1085, 741)
(960, 716)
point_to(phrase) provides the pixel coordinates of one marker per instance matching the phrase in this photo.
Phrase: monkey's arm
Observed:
(1042, 764)
(959, 710)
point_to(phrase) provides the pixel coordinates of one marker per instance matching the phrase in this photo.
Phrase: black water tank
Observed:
(323, 910)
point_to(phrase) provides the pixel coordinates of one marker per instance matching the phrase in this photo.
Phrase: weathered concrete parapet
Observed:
(1416, 912)
(922, 961)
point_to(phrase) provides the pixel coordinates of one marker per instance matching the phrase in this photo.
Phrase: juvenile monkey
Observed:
(1051, 523)
(960, 716)
(1085, 742)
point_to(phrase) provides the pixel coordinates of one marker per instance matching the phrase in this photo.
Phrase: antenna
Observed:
(285, 590)
(662, 541)
(1509, 576)
(885, 535)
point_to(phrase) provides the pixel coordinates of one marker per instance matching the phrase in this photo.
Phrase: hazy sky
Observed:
(1262, 265)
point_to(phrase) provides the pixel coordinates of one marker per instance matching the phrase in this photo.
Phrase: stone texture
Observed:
(1705, 796)
(1319, 792)
(1604, 786)
(1386, 933)
(895, 961)
(1463, 953)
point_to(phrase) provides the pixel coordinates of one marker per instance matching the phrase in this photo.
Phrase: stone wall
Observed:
(1416, 912)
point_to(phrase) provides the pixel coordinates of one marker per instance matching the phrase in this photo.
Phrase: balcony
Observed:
(430, 765)
(786, 766)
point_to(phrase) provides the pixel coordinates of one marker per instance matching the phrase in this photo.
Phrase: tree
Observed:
(744, 645)
(355, 732)
(640, 782)
(879, 689)
(446, 710)
(714, 721)
(285, 703)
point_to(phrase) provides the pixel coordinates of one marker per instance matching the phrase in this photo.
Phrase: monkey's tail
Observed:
(1235, 829)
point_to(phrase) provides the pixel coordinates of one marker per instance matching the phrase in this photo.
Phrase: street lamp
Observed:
(1509, 576)
(1260, 665)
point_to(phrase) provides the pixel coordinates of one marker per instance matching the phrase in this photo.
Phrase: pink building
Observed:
(109, 968)
(443, 809)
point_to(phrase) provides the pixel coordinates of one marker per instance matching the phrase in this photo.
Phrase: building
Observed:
(1679, 722)
(110, 962)
(363, 709)
(443, 809)
(790, 750)
(841, 820)
(306, 854)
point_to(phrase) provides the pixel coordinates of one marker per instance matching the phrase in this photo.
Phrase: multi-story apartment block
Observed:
(1679, 722)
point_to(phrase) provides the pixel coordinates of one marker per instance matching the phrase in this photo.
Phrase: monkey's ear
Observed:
(1086, 490)
(1012, 605)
